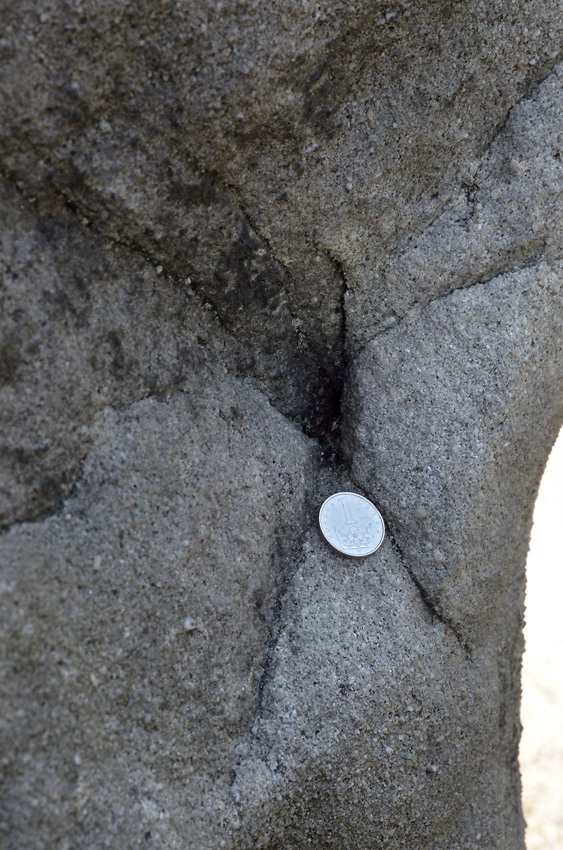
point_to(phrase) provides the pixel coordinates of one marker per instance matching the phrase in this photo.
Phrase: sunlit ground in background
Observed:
(541, 749)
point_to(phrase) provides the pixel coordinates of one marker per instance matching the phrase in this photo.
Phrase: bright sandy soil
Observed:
(541, 750)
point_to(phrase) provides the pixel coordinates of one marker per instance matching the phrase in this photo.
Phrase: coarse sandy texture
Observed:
(468, 555)
(472, 367)
(279, 157)
(541, 751)
(253, 254)
(137, 619)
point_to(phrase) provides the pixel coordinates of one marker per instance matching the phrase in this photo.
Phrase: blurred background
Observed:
(541, 749)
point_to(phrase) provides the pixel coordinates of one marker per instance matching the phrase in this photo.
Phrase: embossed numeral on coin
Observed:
(351, 524)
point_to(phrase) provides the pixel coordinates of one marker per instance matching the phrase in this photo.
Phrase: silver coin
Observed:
(351, 524)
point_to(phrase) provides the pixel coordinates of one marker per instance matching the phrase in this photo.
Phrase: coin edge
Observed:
(336, 549)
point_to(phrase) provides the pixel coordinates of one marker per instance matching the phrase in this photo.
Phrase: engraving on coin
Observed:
(351, 524)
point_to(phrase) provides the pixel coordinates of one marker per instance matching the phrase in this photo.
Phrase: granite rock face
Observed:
(252, 255)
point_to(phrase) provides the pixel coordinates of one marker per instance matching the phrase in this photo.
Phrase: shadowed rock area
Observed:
(253, 255)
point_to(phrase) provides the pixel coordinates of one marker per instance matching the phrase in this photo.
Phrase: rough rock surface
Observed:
(253, 254)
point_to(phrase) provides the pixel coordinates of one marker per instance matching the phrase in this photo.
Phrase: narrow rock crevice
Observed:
(527, 262)
(431, 604)
(300, 375)
(528, 93)
(330, 423)
(276, 621)
(254, 226)
(323, 421)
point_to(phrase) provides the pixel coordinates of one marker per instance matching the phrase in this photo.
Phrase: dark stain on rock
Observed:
(203, 193)
(81, 285)
(49, 228)
(324, 410)
(319, 99)
(246, 280)
(47, 486)
(61, 302)
(75, 176)
(49, 492)
(117, 364)
(10, 359)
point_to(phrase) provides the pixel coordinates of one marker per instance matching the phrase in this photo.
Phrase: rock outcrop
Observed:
(252, 255)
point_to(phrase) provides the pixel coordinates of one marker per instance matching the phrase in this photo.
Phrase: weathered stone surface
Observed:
(452, 412)
(453, 422)
(82, 326)
(376, 724)
(216, 218)
(274, 157)
(506, 213)
(137, 620)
